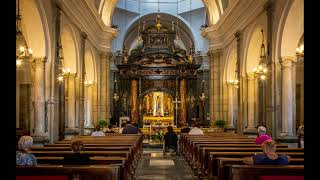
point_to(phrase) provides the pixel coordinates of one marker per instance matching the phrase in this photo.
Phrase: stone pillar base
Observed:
(230, 129)
(250, 131)
(69, 133)
(287, 138)
(39, 139)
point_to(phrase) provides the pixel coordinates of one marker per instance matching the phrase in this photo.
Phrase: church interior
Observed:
(226, 67)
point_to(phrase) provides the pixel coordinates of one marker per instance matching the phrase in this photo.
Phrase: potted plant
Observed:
(103, 124)
(220, 124)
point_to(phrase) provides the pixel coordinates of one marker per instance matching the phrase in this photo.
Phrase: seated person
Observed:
(76, 158)
(269, 155)
(130, 129)
(23, 157)
(170, 139)
(98, 132)
(262, 135)
(300, 135)
(109, 130)
(185, 129)
(122, 126)
(137, 126)
(196, 129)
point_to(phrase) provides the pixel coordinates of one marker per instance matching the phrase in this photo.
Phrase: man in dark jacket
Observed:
(130, 129)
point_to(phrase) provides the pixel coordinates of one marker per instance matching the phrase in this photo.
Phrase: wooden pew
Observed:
(214, 155)
(203, 158)
(121, 161)
(97, 172)
(224, 164)
(241, 172)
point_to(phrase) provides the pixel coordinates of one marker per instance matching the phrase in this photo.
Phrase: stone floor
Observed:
(155, 165)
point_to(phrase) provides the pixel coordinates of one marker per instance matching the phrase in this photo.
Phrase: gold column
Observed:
(183, 114)
(134, 100)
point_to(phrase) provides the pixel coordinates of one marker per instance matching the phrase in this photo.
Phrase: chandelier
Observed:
(22, 50)
(300, 48)
(262, 70)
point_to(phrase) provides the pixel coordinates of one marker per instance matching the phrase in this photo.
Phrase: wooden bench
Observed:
(125, 169)
(246, 172)
(214, 155)
(224, 164)
(97, 172)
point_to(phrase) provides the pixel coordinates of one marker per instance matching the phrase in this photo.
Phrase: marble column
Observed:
(183, 109)
(134, 100)
(81, 83)
(251, 104)
(287, 97)
(39, 100)
(108, 85)
(215, 84)
(240, 94)
(88, 107)
(230, 122)
(103, 86)
(211, 79)
(71, 104)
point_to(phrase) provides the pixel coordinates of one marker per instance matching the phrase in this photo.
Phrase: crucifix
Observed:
(176, 107)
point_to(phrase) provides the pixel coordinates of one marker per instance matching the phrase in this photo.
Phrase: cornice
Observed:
(238, 17)
(87, 20)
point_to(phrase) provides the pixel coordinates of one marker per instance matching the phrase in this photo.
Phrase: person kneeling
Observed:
(170, 139)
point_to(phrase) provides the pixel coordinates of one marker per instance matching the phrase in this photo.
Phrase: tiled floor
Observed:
(155, 165)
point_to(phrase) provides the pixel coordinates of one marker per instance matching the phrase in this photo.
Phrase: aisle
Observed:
(154, 165)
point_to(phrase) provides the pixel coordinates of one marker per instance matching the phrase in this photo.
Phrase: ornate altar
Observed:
(154, 73)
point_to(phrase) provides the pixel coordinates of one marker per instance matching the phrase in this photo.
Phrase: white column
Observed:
(287, 96)
(71, 101)
(251, 101)
(103, 86)
(39, 98)
(231, 104)
(88, 107)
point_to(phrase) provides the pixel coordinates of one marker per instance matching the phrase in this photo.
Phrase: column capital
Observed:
(40, 60)
(214, 52)
(250, 76)
(269, 7)
(84, 35)
(287, 61)
(238, 35)
(107, 55)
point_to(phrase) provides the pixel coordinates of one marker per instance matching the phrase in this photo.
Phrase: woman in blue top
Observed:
(269, 155)
(23, 157)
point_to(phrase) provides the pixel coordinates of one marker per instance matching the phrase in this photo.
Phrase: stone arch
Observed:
(35, 28)
(289, 37)
(69, 47)
(90, 64)
(214, 10)
(252, 48)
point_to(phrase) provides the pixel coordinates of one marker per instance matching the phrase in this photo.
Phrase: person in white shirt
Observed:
(196, 130)
(98, 132)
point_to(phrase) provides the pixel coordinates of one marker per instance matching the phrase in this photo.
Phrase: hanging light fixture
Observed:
(158, 23)
(300, 48)
(262, 70)
(22, 50)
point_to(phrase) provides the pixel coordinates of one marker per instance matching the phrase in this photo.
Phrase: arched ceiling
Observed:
(293, 29)
(89, 64)
(253, 53)
(69, 49)
(32, 27)
(231, 64)
(215, 8)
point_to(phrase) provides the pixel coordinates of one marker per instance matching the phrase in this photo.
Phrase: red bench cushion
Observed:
(281, 178)
(41, 177)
